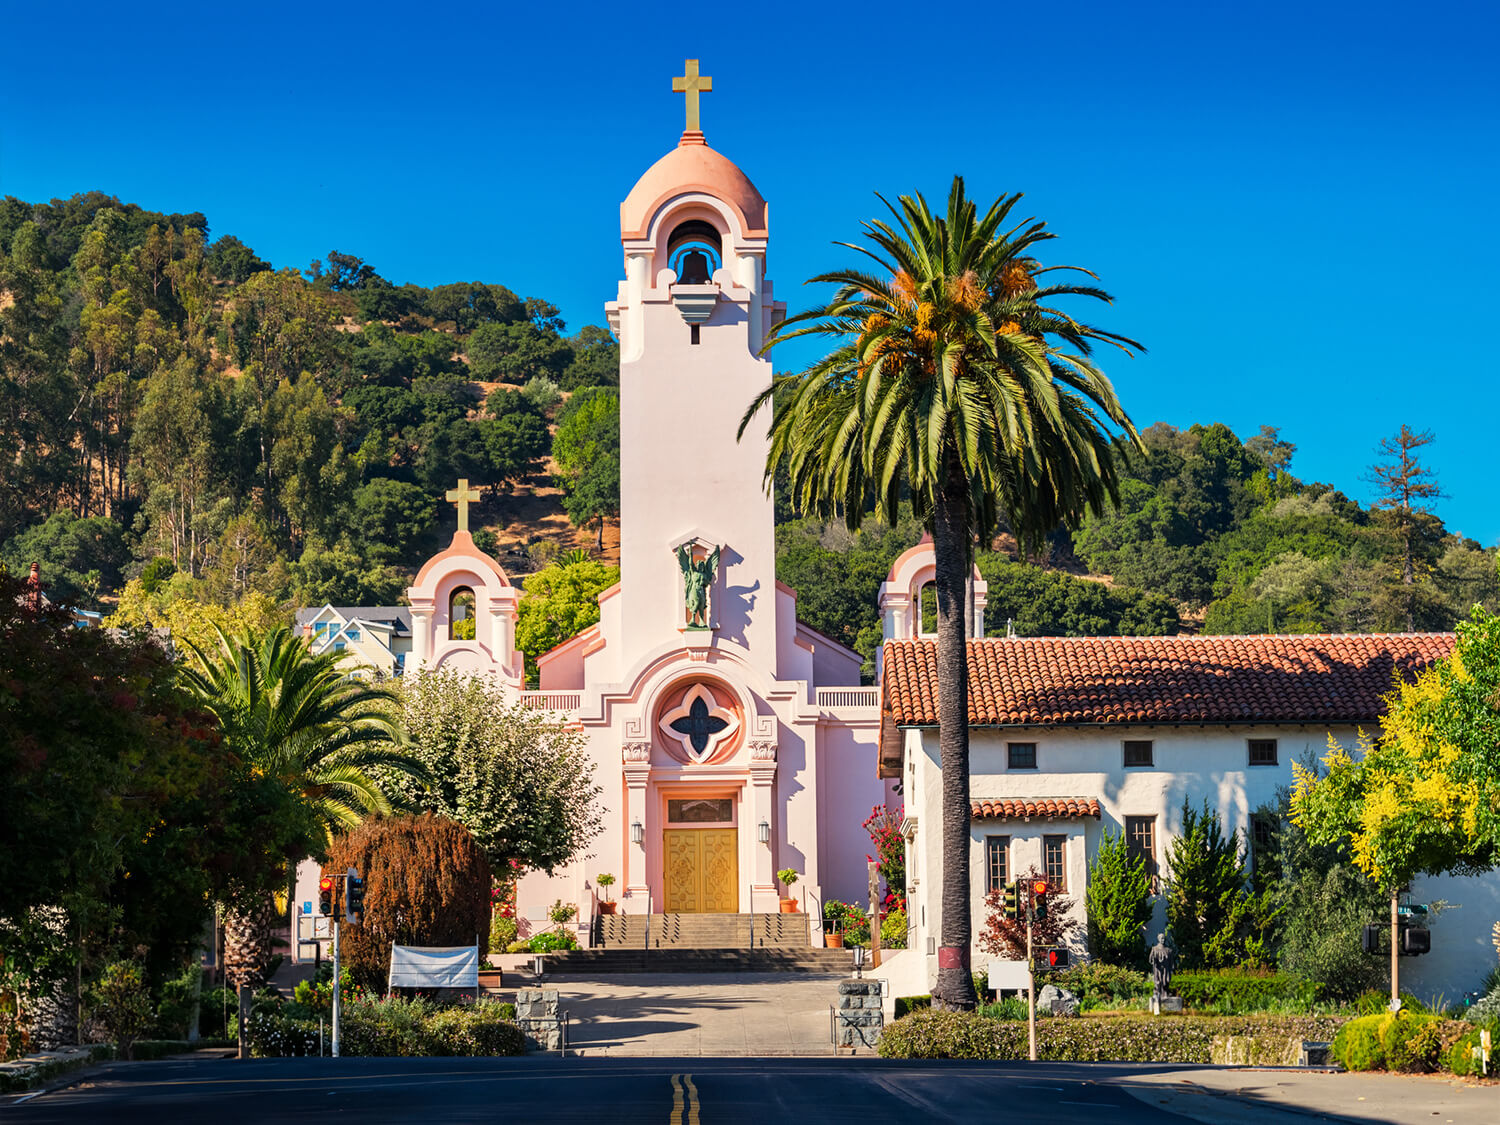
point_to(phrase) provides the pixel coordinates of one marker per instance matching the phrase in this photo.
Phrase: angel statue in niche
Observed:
(697, 576)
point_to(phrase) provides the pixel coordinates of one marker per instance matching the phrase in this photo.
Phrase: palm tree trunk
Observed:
(950, 538)
(247, 944)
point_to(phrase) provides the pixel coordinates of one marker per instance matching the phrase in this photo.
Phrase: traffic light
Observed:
(325, 895)
(1013, 901)
(1416, 941)
(1369, 938)
(354, 897)
(1039, 899)
(1050, 960)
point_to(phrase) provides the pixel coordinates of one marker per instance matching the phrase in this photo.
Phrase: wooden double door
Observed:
(701, 870)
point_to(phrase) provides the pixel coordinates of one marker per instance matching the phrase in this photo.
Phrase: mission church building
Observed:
(731, 740)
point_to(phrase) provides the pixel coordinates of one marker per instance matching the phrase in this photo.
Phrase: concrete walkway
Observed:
(690, 1015)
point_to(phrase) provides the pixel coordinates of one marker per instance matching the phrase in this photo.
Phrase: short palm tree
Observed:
(299, 718)
(956, 386)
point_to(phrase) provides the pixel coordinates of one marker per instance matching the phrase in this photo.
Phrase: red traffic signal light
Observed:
(325, 895)
(1039, 887)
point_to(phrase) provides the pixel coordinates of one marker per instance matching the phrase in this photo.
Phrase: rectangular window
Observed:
(701, 810)
(353, 635)
(1265, 857)
(1054, 861)
(1138, 752)
(1020, 755)
(1140, 838)
(996, 862)
(1262, 751)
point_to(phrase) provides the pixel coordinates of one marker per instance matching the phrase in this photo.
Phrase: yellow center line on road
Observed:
(676, 1118)
(692, 1100)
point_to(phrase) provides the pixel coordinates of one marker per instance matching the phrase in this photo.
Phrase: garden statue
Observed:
(1163, 961)
(697, 576)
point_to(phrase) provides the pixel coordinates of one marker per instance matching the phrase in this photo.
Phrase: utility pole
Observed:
(1395, 949)
(337, 1000)
(1030, 978)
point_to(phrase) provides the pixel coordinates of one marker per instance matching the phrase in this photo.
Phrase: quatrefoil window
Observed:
(699, 724)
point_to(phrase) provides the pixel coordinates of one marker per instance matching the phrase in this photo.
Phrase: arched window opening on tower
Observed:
(461, 614)
(927, 610)
(695, 251)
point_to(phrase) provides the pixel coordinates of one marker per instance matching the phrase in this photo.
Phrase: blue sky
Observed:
(1293, 203)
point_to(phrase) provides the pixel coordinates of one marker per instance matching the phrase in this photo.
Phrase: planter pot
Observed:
(833, 941)
(607, 907)
(789, 906)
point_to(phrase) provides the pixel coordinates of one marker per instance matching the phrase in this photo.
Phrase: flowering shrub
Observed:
(1411, 1042)
(848, 919)
(1004, 937)
(884, 827)
(122, 1003)
(893, 930)
(317, 995)
(931, 1034)
(502, 932)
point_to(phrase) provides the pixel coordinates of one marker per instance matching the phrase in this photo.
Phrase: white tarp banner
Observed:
(1009, 975)
(426, 966)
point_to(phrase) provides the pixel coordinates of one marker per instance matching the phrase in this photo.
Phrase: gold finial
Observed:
(462, 496)
(692, 84)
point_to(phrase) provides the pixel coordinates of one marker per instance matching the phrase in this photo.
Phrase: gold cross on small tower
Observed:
(462, 495)
(692, 84)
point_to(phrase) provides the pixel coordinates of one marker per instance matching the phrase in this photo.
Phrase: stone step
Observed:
(703, 931)
(582, 961)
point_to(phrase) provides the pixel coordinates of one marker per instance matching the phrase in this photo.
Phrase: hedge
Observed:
(396, 1028)
(1258, 1040)
(1407, 1042)
(1239, 991)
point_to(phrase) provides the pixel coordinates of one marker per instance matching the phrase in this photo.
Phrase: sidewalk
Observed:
(1236, 1096)
(696, 1014)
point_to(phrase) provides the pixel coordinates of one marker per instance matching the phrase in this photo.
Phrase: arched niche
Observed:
(463, 614)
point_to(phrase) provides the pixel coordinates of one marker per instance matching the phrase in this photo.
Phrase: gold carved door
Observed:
(701, 870)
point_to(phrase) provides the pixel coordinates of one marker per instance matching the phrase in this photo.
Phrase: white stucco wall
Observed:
(1191, 763)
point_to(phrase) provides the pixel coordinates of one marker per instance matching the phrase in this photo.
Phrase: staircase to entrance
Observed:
(632, 943)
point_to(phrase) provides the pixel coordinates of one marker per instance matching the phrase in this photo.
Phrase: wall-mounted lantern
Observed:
(637, 832)
(765, 832)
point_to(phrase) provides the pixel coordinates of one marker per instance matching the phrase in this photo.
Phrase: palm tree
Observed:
(953, 385)
(299, 719)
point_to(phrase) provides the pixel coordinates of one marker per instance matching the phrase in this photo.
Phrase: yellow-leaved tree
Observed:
(1423, 798)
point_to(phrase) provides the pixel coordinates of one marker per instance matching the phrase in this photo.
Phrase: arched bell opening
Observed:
(695, 249)
(461, 619)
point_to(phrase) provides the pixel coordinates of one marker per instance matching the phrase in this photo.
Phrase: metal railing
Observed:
(848, 697)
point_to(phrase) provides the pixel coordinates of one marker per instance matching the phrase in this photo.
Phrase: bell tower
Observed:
(692, 312)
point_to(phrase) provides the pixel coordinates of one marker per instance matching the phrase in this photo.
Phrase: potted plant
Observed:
(606, 881)
(833, 915)
(788, 877)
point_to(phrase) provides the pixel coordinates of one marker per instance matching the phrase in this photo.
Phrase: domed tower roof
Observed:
(692, 167)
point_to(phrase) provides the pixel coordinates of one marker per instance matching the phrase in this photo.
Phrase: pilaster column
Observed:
(764, 898)
(636, 758)
(421, 636)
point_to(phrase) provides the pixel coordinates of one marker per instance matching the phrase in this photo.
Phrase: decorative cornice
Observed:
(636, 752)
(762, 751)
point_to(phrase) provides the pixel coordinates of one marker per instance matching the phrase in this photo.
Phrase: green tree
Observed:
(956, 386)
(560, 601)
(337, 575)
(1407, 489)
(595, 362)
(1214, 919)
(79, 557)
(231, 260)
(519, 781)
(514, 353)
(1118, 901)
(329, 741)
(391, 519)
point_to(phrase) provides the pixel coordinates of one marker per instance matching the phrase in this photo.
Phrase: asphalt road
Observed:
(695, 1091)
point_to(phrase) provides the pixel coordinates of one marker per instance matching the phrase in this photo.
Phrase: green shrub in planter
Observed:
(552, 941)
(482, 1030)
(1357, 1046)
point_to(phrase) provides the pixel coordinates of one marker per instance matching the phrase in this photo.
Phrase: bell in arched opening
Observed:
(694, 268)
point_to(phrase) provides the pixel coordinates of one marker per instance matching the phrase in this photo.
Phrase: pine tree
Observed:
(1118, 901)
(1206, 890)
(1407, 489)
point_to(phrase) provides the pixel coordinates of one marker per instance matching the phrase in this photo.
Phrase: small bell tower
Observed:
(691, 315)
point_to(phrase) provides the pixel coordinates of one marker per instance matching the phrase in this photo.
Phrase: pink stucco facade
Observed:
(793, 749)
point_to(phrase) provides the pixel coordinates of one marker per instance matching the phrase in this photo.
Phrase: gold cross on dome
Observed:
(692, 84)
(463, 495)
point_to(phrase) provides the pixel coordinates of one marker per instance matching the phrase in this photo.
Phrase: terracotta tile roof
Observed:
(1024, 681)
(1005, 808)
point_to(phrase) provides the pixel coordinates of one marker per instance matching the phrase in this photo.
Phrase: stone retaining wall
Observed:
(859, 1020)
